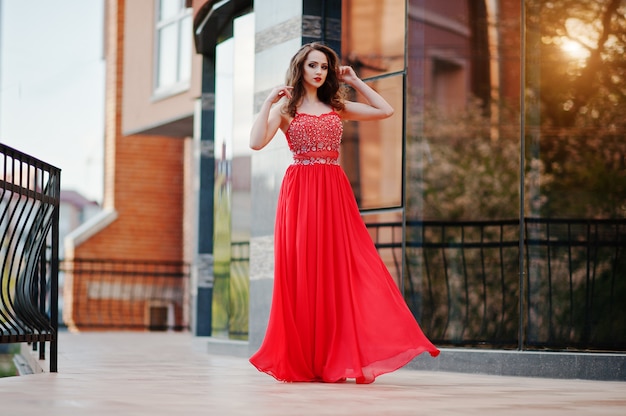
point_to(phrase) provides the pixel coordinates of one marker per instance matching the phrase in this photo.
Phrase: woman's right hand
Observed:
(280, 92)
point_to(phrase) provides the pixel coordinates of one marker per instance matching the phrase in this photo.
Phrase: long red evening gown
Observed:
(336, 311)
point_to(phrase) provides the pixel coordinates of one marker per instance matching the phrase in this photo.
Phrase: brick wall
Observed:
(143, 174)
(127, 294)
(148, 193)
(144, 184)
(510, 36)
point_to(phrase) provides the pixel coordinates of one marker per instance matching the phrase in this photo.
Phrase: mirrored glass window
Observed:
(462, 170)
(233, 95)
(373, 34)
(372, 43)
(575, 179)
(371, 152)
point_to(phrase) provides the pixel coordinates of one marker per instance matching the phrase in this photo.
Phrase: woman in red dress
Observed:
(336, 311)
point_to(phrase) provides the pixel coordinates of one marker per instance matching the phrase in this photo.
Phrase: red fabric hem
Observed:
(368, 373)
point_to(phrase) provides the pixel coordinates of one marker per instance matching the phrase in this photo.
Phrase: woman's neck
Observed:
(310, 96)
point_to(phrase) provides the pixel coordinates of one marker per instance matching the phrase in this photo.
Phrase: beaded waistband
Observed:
(311, 160)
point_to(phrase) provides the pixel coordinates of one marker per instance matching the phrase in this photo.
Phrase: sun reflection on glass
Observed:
(574, 49)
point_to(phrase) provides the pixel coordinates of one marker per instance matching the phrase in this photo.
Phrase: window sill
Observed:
(169, 91)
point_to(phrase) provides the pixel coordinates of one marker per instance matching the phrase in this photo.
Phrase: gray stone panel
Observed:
(259, 312)
(261, 286)
(279, 33)
(565, 365)
(268, 170)
(312, 26)
(278, 37)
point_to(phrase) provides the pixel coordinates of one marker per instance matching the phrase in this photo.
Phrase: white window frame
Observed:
(181, 81)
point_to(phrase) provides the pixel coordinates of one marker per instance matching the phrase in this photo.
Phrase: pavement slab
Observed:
(170, 373)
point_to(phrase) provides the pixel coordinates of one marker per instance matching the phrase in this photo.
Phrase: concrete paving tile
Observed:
(171, 373)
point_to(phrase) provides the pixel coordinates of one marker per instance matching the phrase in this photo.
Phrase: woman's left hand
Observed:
(346, 74)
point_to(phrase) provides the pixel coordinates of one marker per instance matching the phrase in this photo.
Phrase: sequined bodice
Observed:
(315, 139)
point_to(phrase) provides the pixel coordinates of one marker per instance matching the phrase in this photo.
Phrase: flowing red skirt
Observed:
(336, 311)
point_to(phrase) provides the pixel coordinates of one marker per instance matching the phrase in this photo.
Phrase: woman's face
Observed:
(315, 69)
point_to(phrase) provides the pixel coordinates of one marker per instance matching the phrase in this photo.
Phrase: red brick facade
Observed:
(510, 35)
(144, 185)
(148, 195)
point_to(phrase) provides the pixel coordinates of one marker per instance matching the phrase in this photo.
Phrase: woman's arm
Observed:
(269, 119)
(377, 107)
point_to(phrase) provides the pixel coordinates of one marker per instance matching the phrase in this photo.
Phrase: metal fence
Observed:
(462, 281)
(105, 294)
(576, 284)
(29, 228)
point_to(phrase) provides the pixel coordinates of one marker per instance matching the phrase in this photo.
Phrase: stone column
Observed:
(282, 26)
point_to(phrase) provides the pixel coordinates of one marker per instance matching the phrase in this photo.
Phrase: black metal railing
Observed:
(461, 280)
(576, 284)
(126, 294)
(239, 290)
(29, 228)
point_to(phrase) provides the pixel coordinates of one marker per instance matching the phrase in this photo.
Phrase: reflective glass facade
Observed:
(497, 192)
(575, 178)
(502, 153)
(233, 117)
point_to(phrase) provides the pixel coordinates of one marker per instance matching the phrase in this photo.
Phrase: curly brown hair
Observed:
(331, 92)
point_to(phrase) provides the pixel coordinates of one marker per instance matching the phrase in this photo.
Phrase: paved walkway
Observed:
(126, 374)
